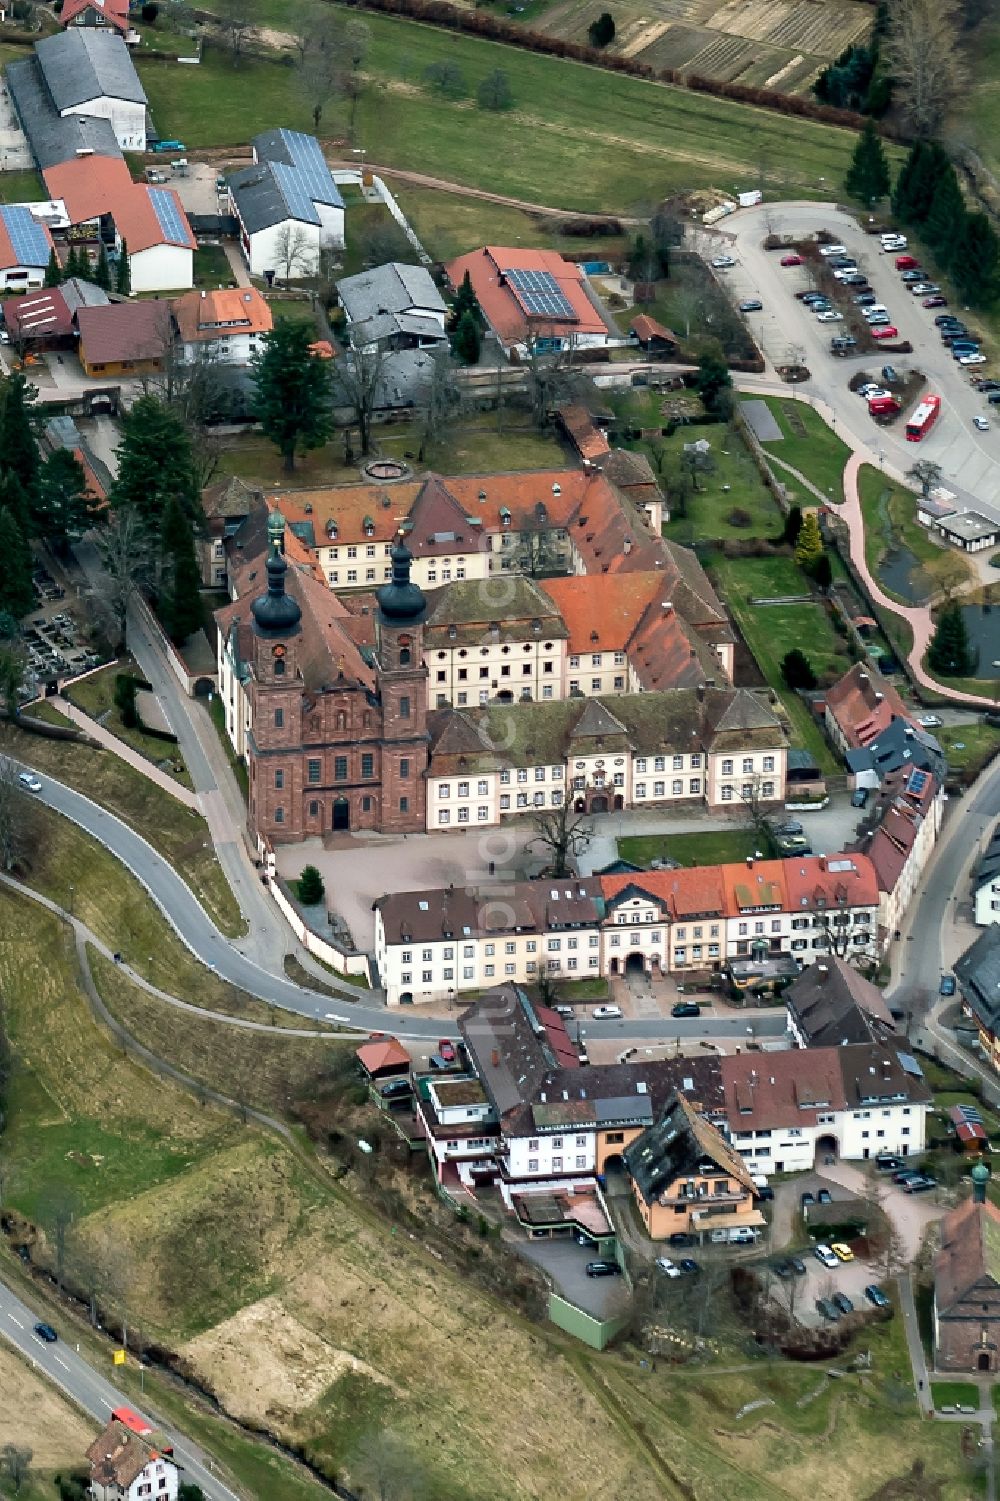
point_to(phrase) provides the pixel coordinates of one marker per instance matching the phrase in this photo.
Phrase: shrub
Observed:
(738, 517)
(149, 13)
(796, 669)
(311, 888)
(602, 30)
(124, 696)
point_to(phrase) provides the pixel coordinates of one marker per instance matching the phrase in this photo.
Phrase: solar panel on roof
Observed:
(540, 293)
(295, 191)
(909, 1065)
(170, 216)
(27, 236)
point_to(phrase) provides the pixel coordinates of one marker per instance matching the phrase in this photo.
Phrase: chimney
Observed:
(822, 862)
(879, 697)
(862, 677)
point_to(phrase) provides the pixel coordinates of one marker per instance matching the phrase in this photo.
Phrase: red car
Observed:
(446, 1050)
(791, 260)
(888, 332)
(935, 301)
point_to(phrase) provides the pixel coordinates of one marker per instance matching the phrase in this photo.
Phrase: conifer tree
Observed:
(868, 175)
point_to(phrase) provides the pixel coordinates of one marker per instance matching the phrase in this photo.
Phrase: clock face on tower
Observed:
(278, 651)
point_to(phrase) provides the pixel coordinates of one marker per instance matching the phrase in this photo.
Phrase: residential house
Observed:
(149, 223)
(986, 881)
(223, 326)
(860, 706)
(25, 247)
(907, 817)
(87, 71)
(967, 1289)
(433, 945)
(978, 976)
(534, 300)
(287, 206)
(394, 306)
(131, 1465)
(686, 1178)
(460, 1125)
(853, 1100)
(830, 1004)
(123, 338)
(111, 14)
(901, 746)
(226, 505)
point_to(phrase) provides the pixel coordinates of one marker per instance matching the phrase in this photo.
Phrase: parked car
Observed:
(993, 398)
(765, 1193)
(842, 1302)
(986, 385)
(842, 1251)
(607, 1013)
(790, 826)
(666, 1266)
(922, 288)
(29, 781)
(681, 1238)
(807, 1198)
(827, 250)
(972, 359)
(751, 305)
(981, 424)
(893, 241)
(688, 1266)
(912, 277)
(841, 263)
(825, 1256)
(876, 310)
(888, 1164)
(920, 1185)
(865, 299)
(827, 1309)
(396, 1089)
(854, 279)
(870, 391)
(46, 1333)
(947, 986)
(791, 260)
(686, 1008)
(797, 1265)
(830, 315)
(824, 1196)
(793, 844)
(889, 375)
(810, 294)
(859, 797)
(906, 263)
(783, 1268)
(723, 262)
(936, 301)
(929, 721)
(887, 331)
(603, 1269)
(905, 1175)
(943, 319)
(875, 1295)
(564, 1010)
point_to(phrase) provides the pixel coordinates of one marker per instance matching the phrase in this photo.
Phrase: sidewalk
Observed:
(125, 751)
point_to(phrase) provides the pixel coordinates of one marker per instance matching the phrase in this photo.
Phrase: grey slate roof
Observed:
(54, 138)
(287, 180)
(900, 745)
(389, 299)
(987, 867)
(833, 1005)
(84, 63)
(978, 975)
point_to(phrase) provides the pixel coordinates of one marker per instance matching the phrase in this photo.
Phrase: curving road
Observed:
(195, 928)
(61, 1364)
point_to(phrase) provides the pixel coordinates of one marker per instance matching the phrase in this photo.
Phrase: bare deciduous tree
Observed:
(57, 1210)
(551, 378)
(383, 1468)
(442, 402)
(358, 381)
(329, 54)
(564, 834)
(237, 23)
(15, 1465)
(926, 474)
(921, 54)
(292, 250)
(127, 564)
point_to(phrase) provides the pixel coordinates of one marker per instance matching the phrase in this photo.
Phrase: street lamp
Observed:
(360, 151)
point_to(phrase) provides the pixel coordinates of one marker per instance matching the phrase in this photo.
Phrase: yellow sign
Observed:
(119, 1357)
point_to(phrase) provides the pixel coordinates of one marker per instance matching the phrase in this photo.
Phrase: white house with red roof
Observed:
(112, 14)
(98, 191)
(534, 299)
(25, 247)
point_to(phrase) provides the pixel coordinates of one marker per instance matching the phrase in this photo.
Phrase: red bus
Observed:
(923, 419)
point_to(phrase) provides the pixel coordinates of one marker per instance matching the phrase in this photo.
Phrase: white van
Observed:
(875, 311)
(893, 241)
(740, 1235)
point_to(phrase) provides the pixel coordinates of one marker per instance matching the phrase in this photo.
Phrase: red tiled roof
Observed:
(119, 331)
(207, 315)
(91, 186)
(646, 328)
(589, 440)
(791, 885)
(765, 1091)
(864, 704)
(114, 12)
(385, 1053)
(970, 1237)
(38, 314)
(502, 304)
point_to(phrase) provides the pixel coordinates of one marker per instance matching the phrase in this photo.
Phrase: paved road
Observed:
(969, 460)
(68, 1370)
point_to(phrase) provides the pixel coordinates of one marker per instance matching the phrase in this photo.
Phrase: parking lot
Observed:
(784, 328)
(799, 1293)
(566, 1263)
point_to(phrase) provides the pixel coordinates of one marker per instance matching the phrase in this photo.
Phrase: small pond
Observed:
(899, 571)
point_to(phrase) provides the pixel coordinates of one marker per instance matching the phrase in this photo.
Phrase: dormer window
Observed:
(332, 530)
(369, 526)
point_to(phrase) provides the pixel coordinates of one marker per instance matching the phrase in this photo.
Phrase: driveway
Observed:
(15, 154)
(912, 1215)
(565, 1262)
(968, 459)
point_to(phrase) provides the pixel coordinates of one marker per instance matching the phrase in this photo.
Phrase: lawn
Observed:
(372, 234)
(731, 501)
(94, 694)
(712, 847)
(59, 1433)
(21, 187)
(478, 447)
(979, 743)
(177, 832)
(450, 224)
(817, 452)
(211, 267)
(773, 630)
(955, 1394)
(579, 137)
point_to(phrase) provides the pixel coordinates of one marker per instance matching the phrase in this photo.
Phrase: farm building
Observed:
(287, 205)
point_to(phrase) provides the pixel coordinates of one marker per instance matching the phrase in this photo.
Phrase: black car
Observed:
(396, 1089)
(685, 1008)
(765, 1191)
(791, 827)
(807, 1198)
(603, 1269)
(987, 385)
(797, 1265)
(859, 798)
(47, 1333)
(681, 1238)
(827, 1309)
(915, 275)
(905, 1174)
(919, 1185)
(842, 1302)
(888, 1164)
(865, 299)
(688, 1266)
(854, 279)
(943, 318)
(875, 1295)
(825, 1196)
(783, 1268)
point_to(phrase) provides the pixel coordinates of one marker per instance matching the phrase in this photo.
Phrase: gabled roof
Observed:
(54, 138)
(123, 331)
(596, 722)
(646, 328)
(38, 315)
(493, 271)
(24, 240)
(969, 1254)
(375, 300)
(92, 186)
(288, 179)
(87, 63)
(832, 1004)
(438, 524)
(463, 612)
(113, 12)
(202, 316)
(118, 1456)
(864, 704)
(680, 1145)
(380, 1053)
(589, 440)
(978, 975)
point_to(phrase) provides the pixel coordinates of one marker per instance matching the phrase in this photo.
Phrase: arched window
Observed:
(279, 667)
(341, 720)
(367, 720)
(404, 656)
